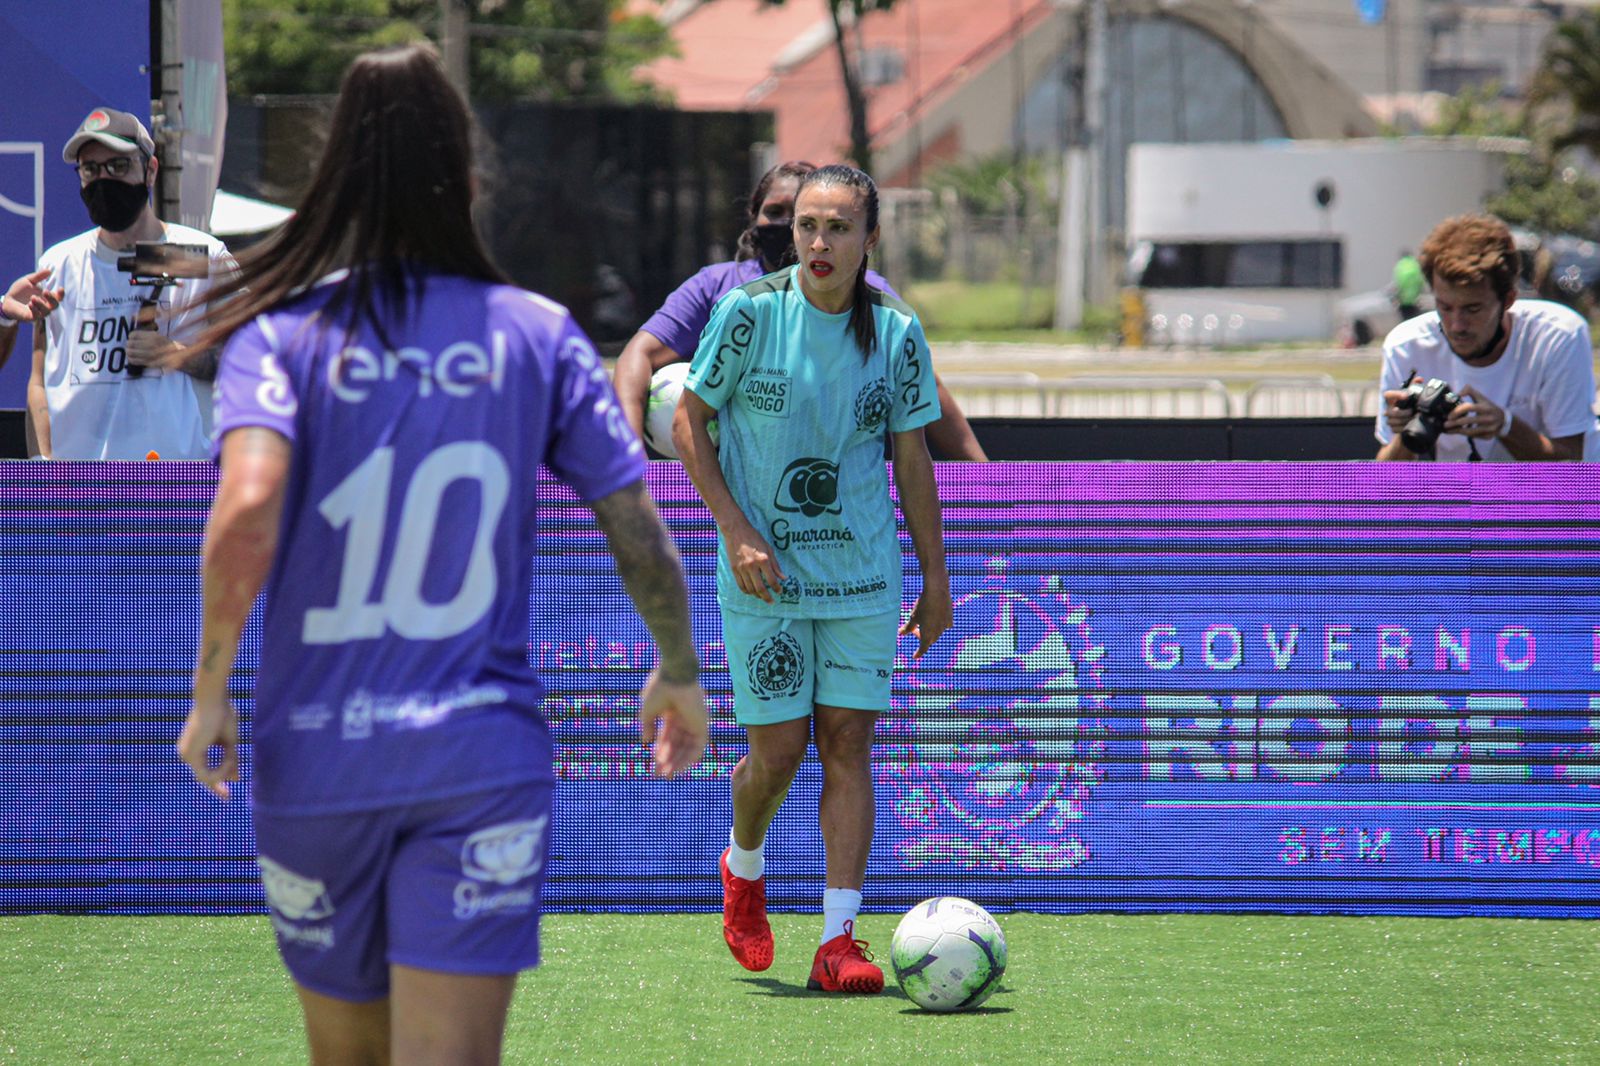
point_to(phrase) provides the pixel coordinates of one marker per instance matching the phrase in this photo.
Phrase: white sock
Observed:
(749, 865)
(839, 907)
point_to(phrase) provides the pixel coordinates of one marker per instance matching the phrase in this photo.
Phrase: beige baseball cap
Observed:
(117, 130)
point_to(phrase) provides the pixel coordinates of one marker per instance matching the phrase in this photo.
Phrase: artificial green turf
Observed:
(625, 989)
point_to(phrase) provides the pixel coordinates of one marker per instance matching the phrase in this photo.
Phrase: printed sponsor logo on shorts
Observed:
(500, 855)
(297, 902)
(296, 897)
(776, 666)
(505, 854)
(872, 405)
(878, 671)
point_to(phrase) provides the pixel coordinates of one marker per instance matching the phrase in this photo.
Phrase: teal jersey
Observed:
(803, 421)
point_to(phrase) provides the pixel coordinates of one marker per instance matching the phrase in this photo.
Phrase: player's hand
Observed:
(148, 348)
(1476, 416)
(672, 717)
(753, 562)
(28, 300)
(931, 616)
(209, 725)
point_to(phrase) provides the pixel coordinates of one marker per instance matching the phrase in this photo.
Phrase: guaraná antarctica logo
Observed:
(987, 763)
(776, 666)
(809, 487)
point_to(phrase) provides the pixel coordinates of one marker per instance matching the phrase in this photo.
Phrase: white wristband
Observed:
(6, 322)
(1510, 420)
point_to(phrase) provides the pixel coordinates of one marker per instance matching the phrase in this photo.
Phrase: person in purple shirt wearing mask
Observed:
(767, 244)
(384, 403)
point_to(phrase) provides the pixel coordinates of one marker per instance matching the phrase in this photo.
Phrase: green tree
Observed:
(521, 49)
(1568, 82)
(1544, 190)
(850, 70)
(994, 184)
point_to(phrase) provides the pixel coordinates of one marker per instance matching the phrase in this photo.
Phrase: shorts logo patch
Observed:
(776, 666)
(809, 486)
(505, 854)
(297, 898)
(872, 405)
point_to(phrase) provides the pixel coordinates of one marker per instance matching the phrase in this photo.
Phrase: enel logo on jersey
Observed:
(457, 371)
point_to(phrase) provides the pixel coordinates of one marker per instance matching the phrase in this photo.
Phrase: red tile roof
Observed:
(732, 50)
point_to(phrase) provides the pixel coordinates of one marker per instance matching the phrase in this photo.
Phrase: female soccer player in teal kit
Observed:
(808, 370)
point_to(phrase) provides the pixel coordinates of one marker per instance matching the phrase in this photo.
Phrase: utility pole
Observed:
(1097, 282)
(1081, 276)
(453, 43)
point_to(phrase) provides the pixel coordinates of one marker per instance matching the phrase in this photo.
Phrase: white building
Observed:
(1263, 240)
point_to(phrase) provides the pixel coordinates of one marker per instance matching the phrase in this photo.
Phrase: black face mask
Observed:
(775, 242)
(114, 205)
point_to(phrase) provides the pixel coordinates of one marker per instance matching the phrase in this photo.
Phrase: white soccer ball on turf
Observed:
(666, 385)
(948, 954)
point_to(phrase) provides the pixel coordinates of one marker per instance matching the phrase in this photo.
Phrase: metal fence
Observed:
(1004, 263)
(1024, 394)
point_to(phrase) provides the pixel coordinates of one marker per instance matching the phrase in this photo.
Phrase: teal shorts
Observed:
(782, 668)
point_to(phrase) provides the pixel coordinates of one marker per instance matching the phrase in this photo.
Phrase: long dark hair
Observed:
(838, 174)
(391, 199)
(795, 168)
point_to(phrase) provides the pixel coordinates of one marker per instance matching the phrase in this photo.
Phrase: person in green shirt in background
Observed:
(1408, 283)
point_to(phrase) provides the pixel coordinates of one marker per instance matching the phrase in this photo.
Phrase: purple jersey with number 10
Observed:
(394, 648)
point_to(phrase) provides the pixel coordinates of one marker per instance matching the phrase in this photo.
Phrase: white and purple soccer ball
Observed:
(948, 954)
(666, 385)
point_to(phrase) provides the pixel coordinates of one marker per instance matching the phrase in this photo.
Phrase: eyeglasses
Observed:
(111, 168)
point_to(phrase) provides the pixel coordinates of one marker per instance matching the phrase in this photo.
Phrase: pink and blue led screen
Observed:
(1300, 688)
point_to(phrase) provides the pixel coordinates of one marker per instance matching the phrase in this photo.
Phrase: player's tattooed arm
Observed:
(241, 539)
(652, 573)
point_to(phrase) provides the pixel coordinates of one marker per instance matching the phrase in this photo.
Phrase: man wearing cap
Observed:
(100, 388)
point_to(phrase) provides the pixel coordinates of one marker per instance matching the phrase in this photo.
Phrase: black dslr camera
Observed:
(1430, 403)
(159, 264)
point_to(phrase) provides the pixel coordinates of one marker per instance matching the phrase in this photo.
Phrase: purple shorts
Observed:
(452, 885)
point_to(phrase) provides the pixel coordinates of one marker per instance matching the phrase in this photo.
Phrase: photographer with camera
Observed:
(1486, 375)
(113, 375)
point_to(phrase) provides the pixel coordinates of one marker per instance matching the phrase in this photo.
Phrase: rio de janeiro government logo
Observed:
(986, 763)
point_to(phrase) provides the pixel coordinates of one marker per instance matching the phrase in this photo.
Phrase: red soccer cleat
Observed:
(744, 919)
(842, 965)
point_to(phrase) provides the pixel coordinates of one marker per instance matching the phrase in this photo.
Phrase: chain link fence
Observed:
(966, 269)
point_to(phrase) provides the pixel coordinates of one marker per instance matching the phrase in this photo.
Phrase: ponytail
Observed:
(862, 326)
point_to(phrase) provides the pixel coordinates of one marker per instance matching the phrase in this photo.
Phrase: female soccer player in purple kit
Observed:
(384, 403)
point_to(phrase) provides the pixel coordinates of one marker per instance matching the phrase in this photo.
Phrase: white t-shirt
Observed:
(1545, 377)
(97, 411)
